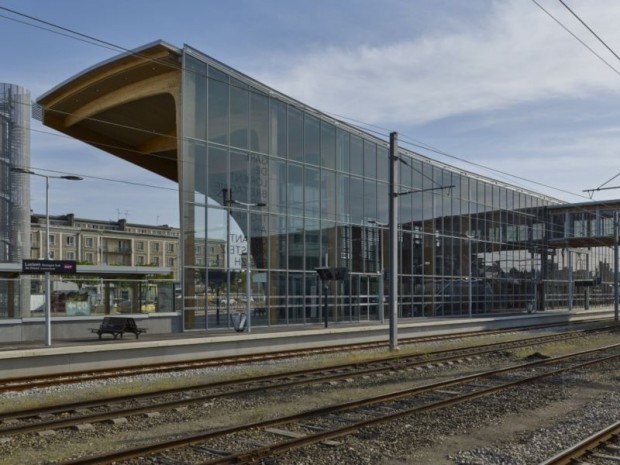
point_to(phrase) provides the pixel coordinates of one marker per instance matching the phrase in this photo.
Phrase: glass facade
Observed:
(285, 189)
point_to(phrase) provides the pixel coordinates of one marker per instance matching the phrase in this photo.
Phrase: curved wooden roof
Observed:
(128, 106)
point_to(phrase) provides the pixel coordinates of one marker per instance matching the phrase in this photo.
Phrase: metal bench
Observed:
(117, 326)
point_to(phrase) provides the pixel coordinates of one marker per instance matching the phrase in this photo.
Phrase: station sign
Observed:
(48, 266)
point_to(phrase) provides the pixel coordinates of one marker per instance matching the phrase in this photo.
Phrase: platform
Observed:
(73, 355)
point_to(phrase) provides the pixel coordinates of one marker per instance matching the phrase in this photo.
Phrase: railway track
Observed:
(24, 383)
(603, 447)
(110, 408)
(252, 442)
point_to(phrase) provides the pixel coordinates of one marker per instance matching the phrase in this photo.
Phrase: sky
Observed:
(516, 90)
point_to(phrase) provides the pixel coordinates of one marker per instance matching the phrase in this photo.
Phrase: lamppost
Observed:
(248, 276)
(48, 291)
(381, 270)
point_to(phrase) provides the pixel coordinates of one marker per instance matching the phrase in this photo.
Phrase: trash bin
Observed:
(238, 321)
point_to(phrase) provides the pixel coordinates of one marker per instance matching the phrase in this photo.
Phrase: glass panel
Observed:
(312, 192)
(312, 140)
(296, 243)
(357, 155)
(198, 153)
(200, 253)
(219, 302)
(370, 159)
(313, 244)
(357, 250)
(278, 135)
(295, 304)
(328, 242)
(217, 173)
(383, 166)
(259, 122)
(215, 248)
(239, 114)
(344, 246)
(328, 195)
(279, 252)
(342, 150)
(218, 107)
(295, 134)
(370, 200)
(239, 162)
(295, 183)
(405, 214)
(328, 145)
(313, 311)
(259, 245)
(278, 183)
(342, 198)
(259, 175)
(195, 98)
(357, 207)
(277, 298)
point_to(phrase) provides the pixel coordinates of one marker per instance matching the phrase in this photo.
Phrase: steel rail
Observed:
(29, 382)
(253, 455)
(585, 447)
(278, 381)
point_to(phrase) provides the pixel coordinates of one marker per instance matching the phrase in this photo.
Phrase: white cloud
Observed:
(516, 54)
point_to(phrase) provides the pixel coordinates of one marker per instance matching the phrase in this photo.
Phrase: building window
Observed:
(140, 246)
(89, 242)
(155, 246)
(52, 239)
(171, 261)
(170, 247)
(155, 261)
(51, 254)
(70, 240)
(70, 256)
(140, 259)
(89, 257)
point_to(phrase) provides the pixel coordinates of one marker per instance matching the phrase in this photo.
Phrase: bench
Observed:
(117, 326)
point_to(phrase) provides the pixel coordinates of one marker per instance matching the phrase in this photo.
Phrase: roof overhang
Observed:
(128, 106)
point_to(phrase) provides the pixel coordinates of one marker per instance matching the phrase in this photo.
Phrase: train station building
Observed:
(284, 189)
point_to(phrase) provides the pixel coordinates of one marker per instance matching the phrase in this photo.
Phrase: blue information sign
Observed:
(48, 266)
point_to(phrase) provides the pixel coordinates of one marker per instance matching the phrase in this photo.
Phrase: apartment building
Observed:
(97, 242)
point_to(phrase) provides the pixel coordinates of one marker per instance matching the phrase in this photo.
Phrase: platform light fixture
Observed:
(48, 290)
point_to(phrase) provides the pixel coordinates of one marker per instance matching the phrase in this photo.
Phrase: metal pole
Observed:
(325, 303)
(227, 198)
(616, 227)
(248, 277)
(393, 228)
(48, 286)
(381, 283)
(570, 279)
(48, 290)
(471, 287)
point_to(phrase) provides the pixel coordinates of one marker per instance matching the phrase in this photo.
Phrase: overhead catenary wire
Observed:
(409, 140)
(609, 65)
(119, 48)
(591, 191)
(590, 29)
